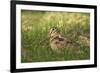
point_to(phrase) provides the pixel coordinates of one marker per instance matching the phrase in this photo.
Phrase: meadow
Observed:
(35, 26)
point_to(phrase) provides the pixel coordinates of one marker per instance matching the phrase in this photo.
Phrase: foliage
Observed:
(35, 26)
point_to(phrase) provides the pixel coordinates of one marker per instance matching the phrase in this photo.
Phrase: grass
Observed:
(35, 26)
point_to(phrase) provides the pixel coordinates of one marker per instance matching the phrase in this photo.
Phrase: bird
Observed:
(57, 41)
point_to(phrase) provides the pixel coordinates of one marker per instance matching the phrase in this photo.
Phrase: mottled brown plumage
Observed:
(57, 42)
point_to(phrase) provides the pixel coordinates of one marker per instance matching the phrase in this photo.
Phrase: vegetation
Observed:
(35, 26)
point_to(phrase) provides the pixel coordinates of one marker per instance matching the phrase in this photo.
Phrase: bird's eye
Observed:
(53, 29)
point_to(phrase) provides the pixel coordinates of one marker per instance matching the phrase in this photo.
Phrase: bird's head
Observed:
(54, 32)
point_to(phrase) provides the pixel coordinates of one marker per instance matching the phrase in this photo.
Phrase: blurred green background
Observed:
(35, 26)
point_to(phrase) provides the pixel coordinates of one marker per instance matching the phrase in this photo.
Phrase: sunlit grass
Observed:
(34, 35)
